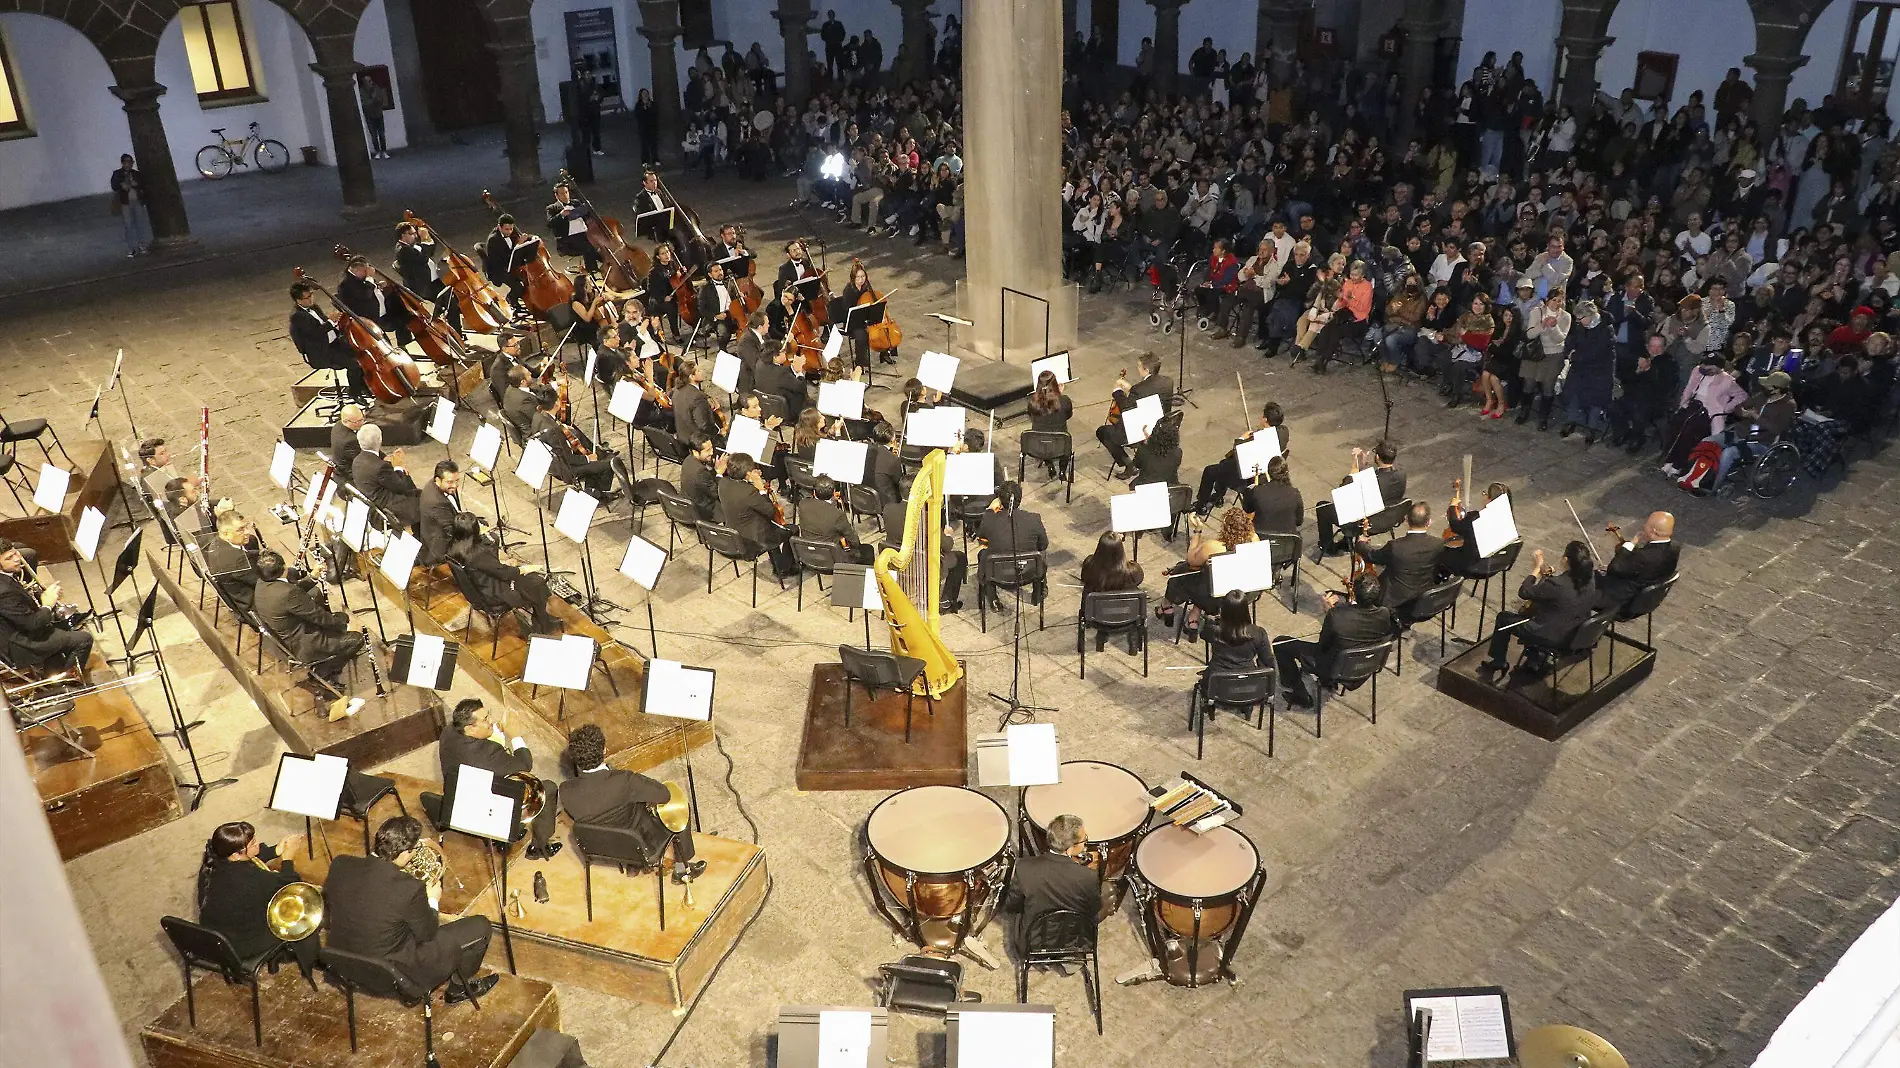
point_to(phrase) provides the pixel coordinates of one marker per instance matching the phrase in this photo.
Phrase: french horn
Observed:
(295, 911)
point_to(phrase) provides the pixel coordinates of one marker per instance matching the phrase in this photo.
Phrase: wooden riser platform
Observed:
(386, 727)
(310, 1028)
(871, 753)
(95, 483)
(124, 789)
(1530, 705)
(635, 741)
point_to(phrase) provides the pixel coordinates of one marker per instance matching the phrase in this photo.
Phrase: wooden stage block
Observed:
(635, 741)
(386, 727)
(310, 1028)
(124, 789)
(95, 483)
(871, 753)
(1620, 663)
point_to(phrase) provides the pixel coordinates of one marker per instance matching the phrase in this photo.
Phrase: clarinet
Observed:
(204, 466)
(375, 667)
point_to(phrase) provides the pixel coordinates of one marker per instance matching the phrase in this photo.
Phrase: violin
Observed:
(388, 371)
(1115, 406)
(1452, 538)
(437, 340)
(484, 307)
(626, 266)
(548, 286)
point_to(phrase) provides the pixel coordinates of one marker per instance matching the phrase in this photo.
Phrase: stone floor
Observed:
(1674, 875)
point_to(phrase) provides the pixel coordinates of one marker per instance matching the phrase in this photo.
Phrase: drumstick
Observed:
(1586, 534)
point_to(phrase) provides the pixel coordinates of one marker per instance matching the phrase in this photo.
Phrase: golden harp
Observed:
(908, 576)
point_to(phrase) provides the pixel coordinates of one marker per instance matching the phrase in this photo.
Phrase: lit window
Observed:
(12, 113)
(220, 57)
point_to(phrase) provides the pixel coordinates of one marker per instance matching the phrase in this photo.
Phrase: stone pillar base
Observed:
(186, 245)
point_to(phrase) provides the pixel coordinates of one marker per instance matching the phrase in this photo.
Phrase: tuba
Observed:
(295, 912)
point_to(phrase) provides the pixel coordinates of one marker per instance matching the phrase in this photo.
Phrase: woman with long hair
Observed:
(235, 884)
(856, 289)
(1237, 644)
(1109, 569)
(1559, 604)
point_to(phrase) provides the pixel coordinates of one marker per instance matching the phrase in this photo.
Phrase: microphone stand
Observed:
(1385, 397)
(1015, 709)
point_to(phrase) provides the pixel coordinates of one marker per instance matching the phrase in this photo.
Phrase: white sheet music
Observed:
(677, 691)
(970, 474)
(749, 436)
(844, 1039)
(1006, 1039)
(1495, 526)
(642, 562)
(843, 461)
(283, 460)
(564, 662)
(92, 523)
(624, 405)
(1140, 422)
(425, 660)
(834, 344)
(535, 461)
(1466, 1028)
(50, 494)
(843, 399)
(587, 372)
(309, 786)
(1033, 758)
(1057, 364)
(936, 428)
(478, 810)
(399, 559)
(487, 447)
(937, 370)
(1144, 509)
(725, 372)
(1248, 567)
(314, 494)
(355, 521)
(576, 227)
(1358, 498)
(1252, 454)
(442, 421)
(576, 514)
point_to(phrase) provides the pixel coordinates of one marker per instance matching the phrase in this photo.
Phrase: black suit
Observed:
(520, 409)
(886, 476)
(750, 513)
(343, 452)
(1346, 626)
(321, 639)
(1409, 565)
(233, 571)
(624, 799)
(1276, 507)
(1017, 532)
(499, 583)
(1114, 436)
(415, 263)
(390, 490)
(501, 257)
(235, 895)
(454, 749)
(367, 299)
(322, 346)
(1046, 882)
(29, 636)
(825, 521)
(693, 416)
(570, 465)
(780, 380)
(435, 511)
(1632, 569)
(1558, 608)
(373, 908)
(699, 483)
(559, 217)
(1391, 491)
(713, 301)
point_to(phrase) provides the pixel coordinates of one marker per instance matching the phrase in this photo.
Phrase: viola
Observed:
(388, 371)
(626, 266)
(1115, 406)
(484, 307)
(547, 286)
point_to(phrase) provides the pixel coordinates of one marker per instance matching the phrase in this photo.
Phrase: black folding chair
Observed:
(491, 613)
(1385, 519)
(9, 472)
(879, 671)
(1579, 644)
(1109, 614)
(377, 978)
(1050, 447)
(861, 500)
(1180, 501)
(1436, 601)
(817, 557)
(361, 791)
(1352, 666)
(1066, 938)
(664, 446)
(16, 430)
(1498, 565)
(202, 947)
(602, 843)
(679, 513)
(929, 986)
(798, 472)
(1250, 690)
(1643, 606)
(727, 543)
(1007, 571)
(1285, 550)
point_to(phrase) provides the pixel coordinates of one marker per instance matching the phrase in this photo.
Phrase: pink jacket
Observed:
(1718, 393)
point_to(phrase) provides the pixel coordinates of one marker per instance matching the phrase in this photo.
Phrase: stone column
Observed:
(794, 23)
(660, 25)
(514, 61)
(346, 125)
(164, 202)
(1167, 52)
(1772, 75)
(1277, 36)
(1418, 56)
(1012, 158)
(406, 69)
(916, 43)
(1579, 88)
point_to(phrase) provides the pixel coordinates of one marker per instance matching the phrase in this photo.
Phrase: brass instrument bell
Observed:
(532, 799)
(675, 812)
(1562, 1046)
(295, 911)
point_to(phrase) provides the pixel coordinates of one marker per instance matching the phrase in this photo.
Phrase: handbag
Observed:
(1530, 350)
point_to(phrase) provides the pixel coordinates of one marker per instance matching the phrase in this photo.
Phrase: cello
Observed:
(388, 371)
(626, 266)
(884, 335)
(441, 343)
(547, 286)
(681, 279)
(484, 308)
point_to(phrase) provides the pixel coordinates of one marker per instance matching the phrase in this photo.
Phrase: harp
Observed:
(908, 576)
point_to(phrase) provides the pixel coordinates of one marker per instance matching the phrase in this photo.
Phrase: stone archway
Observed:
(1781, 32)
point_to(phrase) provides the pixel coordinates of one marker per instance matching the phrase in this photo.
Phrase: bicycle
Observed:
(216, 161)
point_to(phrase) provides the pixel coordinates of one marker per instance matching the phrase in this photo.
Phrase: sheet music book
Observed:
(1247, 567)
(642, 562)
(424, 660)
(442, 422)
(843, 399)
(283, 460)
(935, 428)
(624, 405)
(564, 662)
(478, 809)
(834, 344)
(749, 437)
(92, 523)
(1144, 509)
(1140, 422)
(1252, 454)
(676, 691)
(487, 447)
(1358, 498)
(844, 1038)
(843, 461)
(1468, 1023)
(309, 786)
(535, 461)
(1495, 526)
(970, 474)
(355, 521)
(989, 1038)
(1056, 363)
(50, 494)
(399, 559)
(938, 371)
(576, 515)
(725, 372)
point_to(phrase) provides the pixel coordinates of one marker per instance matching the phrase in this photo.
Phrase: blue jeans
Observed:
(1397, 342)
(1490, 150)
(137, 231)
(1592, 416)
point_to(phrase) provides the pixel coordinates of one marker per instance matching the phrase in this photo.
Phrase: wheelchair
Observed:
(1768, 475)
(1174, 294)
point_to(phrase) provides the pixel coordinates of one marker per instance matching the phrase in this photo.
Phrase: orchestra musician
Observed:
(507, 248)
(746, 505)
(507, 357)
(1058, 879)
(319, 638)
(231, 557)
(700, 475)
(1409, 564)
(567, 221)
(1008, 528)
(1648, 558)
(651, 197)
(693, 413)
(780, 313)
(775, 377)
(36, 631)
(1559, 604)
(374, 908)
(1462, 554)
(475, 738)
(823, 518)
(1153, 383)
(523, 588)
(343, 446)
(519, 405)
(1274, 501)
(1049, 412)
(754, 349)
(731, 246)
(660, 300)
(321, 344)
(577, 461)
(421, 274)
(1384, 459)
(715, 305)
(438, 504)
(796, 268)
(624, 799)
(1361, 621)
(858, 290)
(383, 480)
(181, 503)
(236, 884)
(1224, 474)
(611, 359)
(368, 298)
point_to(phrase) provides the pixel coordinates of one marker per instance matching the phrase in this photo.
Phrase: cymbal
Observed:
(1563, 1046)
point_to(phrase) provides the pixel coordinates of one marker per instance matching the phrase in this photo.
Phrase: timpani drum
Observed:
(1113, 805)
(1196, 893)
(938, 859)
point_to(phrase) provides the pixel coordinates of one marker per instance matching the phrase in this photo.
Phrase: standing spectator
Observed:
(374, 102)
(646, 123)
(870, 58)
(128, 203)
(850, 59)
(587, 105)
(833, 35)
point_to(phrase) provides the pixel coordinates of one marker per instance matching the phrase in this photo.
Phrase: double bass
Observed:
(625, 266)
(388, 371)
(548, 287)
(484, 308)
(440, 342)
(690, 244)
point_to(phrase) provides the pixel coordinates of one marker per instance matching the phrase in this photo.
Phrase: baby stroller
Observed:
(1175, 292)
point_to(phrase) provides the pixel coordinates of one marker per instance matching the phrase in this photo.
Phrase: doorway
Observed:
(460, 79)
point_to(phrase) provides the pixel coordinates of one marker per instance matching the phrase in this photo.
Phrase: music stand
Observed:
(424, 660)
(1021, 755)
(817, 1036)
(565, 663)
(673, 690)
(854, 587)
(642, 564)
(1016, 567)
(573, 521)
(1000, 1036)
(655, 226)
(311, 787)
(863, 317)
(489, 808)
(181, 731)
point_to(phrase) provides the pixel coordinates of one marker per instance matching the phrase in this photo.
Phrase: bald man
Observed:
(1648, 558)
(343, 446)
